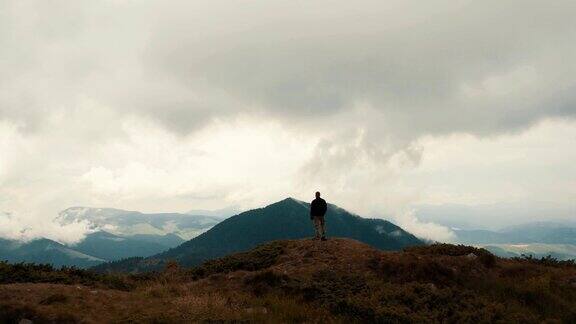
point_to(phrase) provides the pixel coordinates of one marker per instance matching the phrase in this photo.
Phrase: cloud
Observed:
(478, 67)
(25, 228)
(423, 229)
(165, 105)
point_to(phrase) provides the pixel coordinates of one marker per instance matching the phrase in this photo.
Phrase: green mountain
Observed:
(286, 219)
(96, 248)
(119, 234)
(168, 240)
(112, 247)
(45, 251)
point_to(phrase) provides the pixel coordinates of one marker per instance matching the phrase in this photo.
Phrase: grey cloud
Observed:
(431, 68)
(423, 68)
(364, 79)
(413, 75)
(485, 68)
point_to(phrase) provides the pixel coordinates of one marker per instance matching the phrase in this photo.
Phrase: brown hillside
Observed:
(340, 280)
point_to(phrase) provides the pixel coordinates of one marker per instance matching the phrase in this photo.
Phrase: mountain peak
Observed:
(286, 219)
(289, 201)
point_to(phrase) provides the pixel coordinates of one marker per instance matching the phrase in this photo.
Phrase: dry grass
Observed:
(317, 282)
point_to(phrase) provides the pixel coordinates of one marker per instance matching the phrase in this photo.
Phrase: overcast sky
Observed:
(424, 112)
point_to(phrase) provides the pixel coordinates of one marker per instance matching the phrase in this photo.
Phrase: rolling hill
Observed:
(96, 248)
(304, 281)
(117, 234)
(112, 247)
(45, 251)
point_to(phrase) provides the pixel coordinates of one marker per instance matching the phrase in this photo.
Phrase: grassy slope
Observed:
(303, 280)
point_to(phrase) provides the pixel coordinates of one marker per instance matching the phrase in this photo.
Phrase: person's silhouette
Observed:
(318, 209)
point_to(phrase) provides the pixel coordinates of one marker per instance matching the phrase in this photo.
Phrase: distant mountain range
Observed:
(96, 248)
(129, 223)
(286, 219)
(45, 251)
(191, 239)
(539, 232)
(539, 239)
(537, 250)
(119, 234)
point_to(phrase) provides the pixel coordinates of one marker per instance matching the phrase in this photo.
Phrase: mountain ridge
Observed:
(45, 251)
(125, 222)
(285, 219)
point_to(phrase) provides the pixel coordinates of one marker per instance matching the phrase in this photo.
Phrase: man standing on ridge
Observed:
(318, 209)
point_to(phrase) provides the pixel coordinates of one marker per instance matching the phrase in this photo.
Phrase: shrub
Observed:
(263, 282)
(427, 270)
(330, 288)
(14, 313)
(547, 261)
(43, 273)
(484, 256)
(261, 257)
(123, 265)
(269, 278)
(54, 299)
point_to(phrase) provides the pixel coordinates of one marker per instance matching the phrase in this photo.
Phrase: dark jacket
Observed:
(318, 207)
